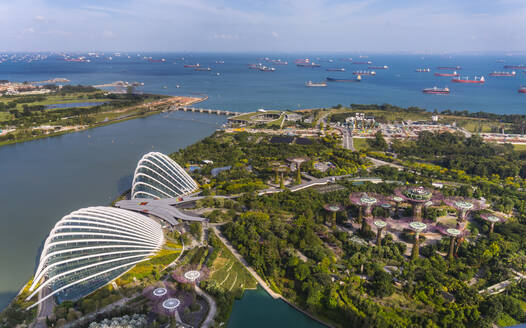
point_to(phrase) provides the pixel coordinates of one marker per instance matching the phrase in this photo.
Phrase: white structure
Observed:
(158, 176)
(91, 247)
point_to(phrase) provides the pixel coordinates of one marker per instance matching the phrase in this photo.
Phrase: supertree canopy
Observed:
(417, 227)
(492, 219)
(380, 225)
(366, 200)
(418, 197)
(464, 206)
(333, 208)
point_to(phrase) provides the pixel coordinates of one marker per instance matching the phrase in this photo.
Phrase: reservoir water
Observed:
(44, 180)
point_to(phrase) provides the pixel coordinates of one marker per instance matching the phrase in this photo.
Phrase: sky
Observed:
(413, 26)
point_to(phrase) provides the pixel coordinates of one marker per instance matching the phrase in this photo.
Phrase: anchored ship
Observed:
(266, 69)
(522, 89)
(379, 67)
(192, 66)
(495, 73)
(447, 74)
(357, 79)
(423, 70)
(449, 67)
(364, 73)
(436, 91)
(207, 69)
(335, 69)
(467, 80)
(315, 84)
(308, 64)
(362, 62)
(515, 66)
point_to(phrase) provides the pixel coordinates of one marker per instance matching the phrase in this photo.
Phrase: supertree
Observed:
(282, 169)
(453, 233)
(275, 166)
(417, 227)
(492, 219)
(380, 225)
(419, 197)
(366, 202)
(298, 161)
(397, 200)
(464, 206)
(333, 208)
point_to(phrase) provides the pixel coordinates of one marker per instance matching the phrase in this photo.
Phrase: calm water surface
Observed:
(44, 180)
(258, 310)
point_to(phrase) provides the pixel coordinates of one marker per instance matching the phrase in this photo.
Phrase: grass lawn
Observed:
(360, 143)
(230, 274)
(519, 147)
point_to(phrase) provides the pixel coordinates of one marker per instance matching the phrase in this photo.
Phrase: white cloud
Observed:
(223, 36)
(275, 35)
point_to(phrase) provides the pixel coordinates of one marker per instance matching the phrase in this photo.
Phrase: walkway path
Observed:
(209, 320)
(501, 286)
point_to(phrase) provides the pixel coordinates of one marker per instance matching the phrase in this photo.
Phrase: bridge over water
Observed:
(203, 110)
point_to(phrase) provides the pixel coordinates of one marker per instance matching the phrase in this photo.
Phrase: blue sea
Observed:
(241, 89)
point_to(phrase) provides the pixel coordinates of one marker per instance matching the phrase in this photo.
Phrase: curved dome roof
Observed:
(158, 176)
(90, 247)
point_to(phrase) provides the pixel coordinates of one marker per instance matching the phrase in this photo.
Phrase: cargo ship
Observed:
(204, 69)
(423, 70)
(467, 80)
(522, 89)
(495, 73)
(335, 69)
(515, 66)
(378, 67)
(357, 79)
(279, 62)
(266, 69)
(362, 63)
(447, 74)
(192, 66)
(253, 66)
(308, 64)
(449, 67)
(364, 73)
(436, 91)
(315, 84)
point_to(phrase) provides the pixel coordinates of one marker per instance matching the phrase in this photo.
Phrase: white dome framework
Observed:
(158, 176)
(91, 247)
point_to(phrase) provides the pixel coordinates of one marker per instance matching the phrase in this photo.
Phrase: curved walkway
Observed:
(209, 320)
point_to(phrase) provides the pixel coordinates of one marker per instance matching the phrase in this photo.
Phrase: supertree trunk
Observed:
(451, 248)
(415, 253)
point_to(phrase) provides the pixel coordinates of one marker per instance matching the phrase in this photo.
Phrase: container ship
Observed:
(279, 62)
(436, 91)
(203, 69)
(192, 66)
(335, 69)
(522, 89)
(515, 66)
(378, 67)
(447, 74)
(364, 73)
(315, 84)
(449, 67)
(357, 79)
(495, 73)
(423, 70)
(467, 80)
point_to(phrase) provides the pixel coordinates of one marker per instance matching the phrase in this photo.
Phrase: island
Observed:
(358, 216)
